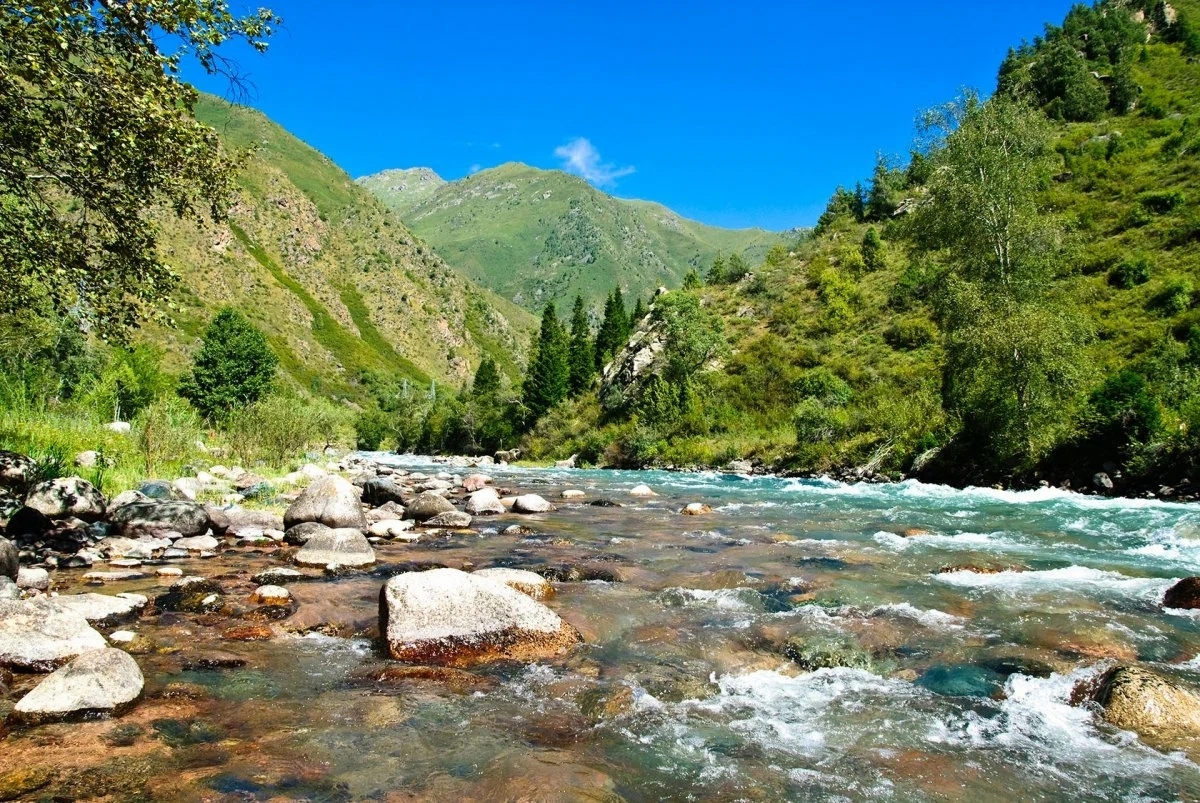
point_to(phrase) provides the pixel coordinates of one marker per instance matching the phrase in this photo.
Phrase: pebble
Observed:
(169, 571)
(30, 577)
(112, 577)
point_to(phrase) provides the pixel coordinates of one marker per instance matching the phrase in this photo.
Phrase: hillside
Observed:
(835, 364)
(343, 289)
(535, 235)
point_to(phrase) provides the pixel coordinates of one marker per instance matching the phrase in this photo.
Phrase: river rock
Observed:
(39, 635)
(528, 583)
(454, 519)
(300, 533)
(126, 498)
(10, 562)
(30, 576)
(696, 509)
(277, 576)
(641, 490)
(531, 503)
(451, 618)
(273, 596)
(484, 502)
(28, 524)
(1157, 709)
(475, 482)
(427, 505)
(185, 518)
(393, 528)
(144, 548)
(329, 500)
(572, 493)
(15, 469)
(381, 490)
(190, 595)
(103, 610)
(197, 543)
(337, 547)
(1184, 594)
(8, 589)
(67, 496)
(103, 680)
(385, 512)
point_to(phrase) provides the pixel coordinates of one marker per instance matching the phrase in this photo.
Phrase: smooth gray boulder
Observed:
(454, 519)
(10, 563)
(300, 533)
(33, 577)
(379, 491)
(143, 548)
(485, 502)
(531, 503)
(451, 618)
(138, 518)
(67, 496)
(100, 681)
(427, 505)
(197, 543)
(126, 498)
(104, 610)
(344, 546)
(328, 500)
(39, 635)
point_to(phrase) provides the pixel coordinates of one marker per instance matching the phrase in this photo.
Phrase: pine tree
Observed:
(872, 250)
(716, 273)
(235, 366)
(614, 329)
(549, 375)
(582, 360)
(621, 315)
(691, 281)
(640, 311)
(487, 379)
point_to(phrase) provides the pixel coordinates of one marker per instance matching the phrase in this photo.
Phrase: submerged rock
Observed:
(696, 509)
(454, 519)
(475, 482)
(103, 680)
(329, 500)
(277, 576)
(451, 618)
(1157, 709)
(67, 496)
(39, 635)
(427, 505)
(341, 547)
(1184, 594)
(641, 490)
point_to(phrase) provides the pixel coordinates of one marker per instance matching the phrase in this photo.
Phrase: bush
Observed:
(371, 427)
(907, 334)
(817, 423)
(1175, 297)
(824, 386)
(166, 433)
(1159, 203)
(281, 428)
(1130, 273)
(1125, 410)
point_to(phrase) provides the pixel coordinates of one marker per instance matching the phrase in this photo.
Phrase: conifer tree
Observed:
(716, 273)
(582, 359)
(872, 250)
(549, 375)
(487, 379)
(623, 325)
(639, 309)
(736, 270)
(614, 329)
(691, 281)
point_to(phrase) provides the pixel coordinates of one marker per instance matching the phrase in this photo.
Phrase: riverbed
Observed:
(806, 639)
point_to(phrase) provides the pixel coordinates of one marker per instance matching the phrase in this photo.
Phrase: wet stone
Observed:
(191, 595)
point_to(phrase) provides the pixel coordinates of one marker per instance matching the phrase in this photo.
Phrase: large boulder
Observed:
(67, 496)
(381, 490)
(329, 500)
(475, 482)
(528, 583)
(15, 469)
(28, 524)
(100, 681)
(427, 505)
(485, 502)
(531, 503)
(1159, 710)
(103, 610)
(451, 618)
(10, 563)
(344, 546)
(148, 518)
(40, 635)
(299, 534)
(1184, 594)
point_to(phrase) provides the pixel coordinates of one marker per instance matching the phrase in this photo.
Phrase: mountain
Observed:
(535, 235)
(345, 292)
(837, 362)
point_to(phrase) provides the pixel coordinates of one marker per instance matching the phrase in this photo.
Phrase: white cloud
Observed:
(473, 169)
(581, 158)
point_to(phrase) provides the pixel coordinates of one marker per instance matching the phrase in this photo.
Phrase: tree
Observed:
(95, 130)
(1013, 363)
(694, 335)
(716, 272)
(639, 309)
(691, 281)
(736, 269)
(487, 379)
(872, 250)
(582, 354)
(615, 328)
(235, 367)
(548, 380)
(880, 202)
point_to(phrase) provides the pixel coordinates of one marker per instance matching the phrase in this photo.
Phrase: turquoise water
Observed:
(909, 682)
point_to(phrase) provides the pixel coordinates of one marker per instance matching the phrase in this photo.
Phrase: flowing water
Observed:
(912, 679)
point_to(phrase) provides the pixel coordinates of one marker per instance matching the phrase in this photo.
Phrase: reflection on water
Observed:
(806, 639)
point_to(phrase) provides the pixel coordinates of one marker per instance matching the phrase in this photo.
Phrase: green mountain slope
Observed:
(834, 364)
(345, 292)
(535, 235)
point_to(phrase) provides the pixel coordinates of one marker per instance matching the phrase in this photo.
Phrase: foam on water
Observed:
(1079, 579)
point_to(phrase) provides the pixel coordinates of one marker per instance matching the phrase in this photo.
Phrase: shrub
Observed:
(1175, 297)
(1159, 203)
(1130, 273)
(824, 386)
(277, 429)
(1125, 410)
(166, 433)
(872, 250)
(907, 334)
(371, 427)
(816, 422)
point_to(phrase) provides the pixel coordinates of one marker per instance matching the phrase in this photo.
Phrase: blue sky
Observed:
(736, 114)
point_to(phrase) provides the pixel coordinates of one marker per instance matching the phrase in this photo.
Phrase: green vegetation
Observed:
(233, 369)
(95, 127)
(542, 235)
